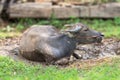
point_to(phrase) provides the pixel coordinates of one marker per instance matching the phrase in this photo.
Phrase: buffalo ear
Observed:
(73, 28)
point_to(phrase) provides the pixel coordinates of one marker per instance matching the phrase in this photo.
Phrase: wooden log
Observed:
(36, 10)
(84, 11)
(65, 12)
(110, 10)
(32, 10)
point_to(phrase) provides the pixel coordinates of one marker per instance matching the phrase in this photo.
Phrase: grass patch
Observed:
(11, 70)
(107, 71)
(9, 34)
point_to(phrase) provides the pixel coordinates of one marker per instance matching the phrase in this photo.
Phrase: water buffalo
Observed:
(45, 43)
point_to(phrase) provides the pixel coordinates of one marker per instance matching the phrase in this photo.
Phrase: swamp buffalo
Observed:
(44, 43)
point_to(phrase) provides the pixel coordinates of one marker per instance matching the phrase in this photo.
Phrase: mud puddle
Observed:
(92, 54)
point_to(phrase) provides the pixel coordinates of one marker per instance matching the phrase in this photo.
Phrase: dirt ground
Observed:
(91, 54)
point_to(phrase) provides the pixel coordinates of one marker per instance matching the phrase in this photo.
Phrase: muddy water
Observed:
(109, 47)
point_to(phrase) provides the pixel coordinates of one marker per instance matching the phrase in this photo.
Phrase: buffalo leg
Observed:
(63, 61)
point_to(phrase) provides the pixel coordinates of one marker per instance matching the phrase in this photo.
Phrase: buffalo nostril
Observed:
(98, 38)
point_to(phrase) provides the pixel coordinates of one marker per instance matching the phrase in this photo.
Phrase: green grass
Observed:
(110, 27)
(4, 35)
(107, 71)
(11, 70)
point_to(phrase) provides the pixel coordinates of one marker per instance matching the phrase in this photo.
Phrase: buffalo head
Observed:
(83, 34)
